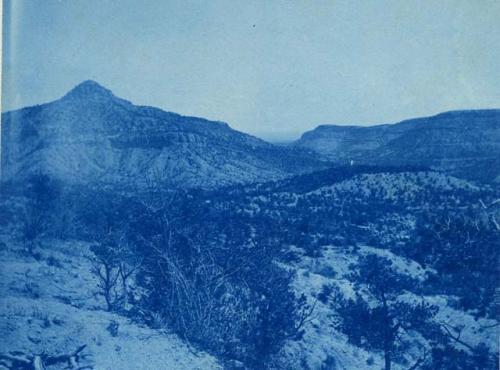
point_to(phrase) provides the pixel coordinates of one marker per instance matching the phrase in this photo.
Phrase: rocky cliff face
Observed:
(464, 143)
(90, 136)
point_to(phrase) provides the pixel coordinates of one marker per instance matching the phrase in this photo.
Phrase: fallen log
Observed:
(21, 361)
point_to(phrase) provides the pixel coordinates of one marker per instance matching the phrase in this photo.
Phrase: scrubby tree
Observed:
(278, 315)
(379, 315)
(449, 352)
(106, 268)
(129, 262)
(463, 248)
(41, 192)
(115, 262)
(213, 284)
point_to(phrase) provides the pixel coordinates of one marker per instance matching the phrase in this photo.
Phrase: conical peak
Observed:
(89, 90)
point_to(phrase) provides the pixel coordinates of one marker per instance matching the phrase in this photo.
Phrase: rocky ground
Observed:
(49, 303)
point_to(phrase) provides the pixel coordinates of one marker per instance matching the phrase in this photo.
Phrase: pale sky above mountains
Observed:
(270, 68)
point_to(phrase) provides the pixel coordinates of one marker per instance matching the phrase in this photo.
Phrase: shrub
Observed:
(112, 328)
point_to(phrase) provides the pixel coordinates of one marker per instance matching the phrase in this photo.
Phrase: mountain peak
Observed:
(89, 90)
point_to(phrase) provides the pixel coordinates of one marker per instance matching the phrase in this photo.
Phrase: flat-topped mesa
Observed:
(464, 143)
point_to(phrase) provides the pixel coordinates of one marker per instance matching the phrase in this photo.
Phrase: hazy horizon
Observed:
(272, 69)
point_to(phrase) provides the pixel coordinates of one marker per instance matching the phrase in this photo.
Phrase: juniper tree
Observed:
(41, 192)
(106, 268)
(378, 316)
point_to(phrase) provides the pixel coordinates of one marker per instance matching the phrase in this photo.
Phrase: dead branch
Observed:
(420, 361)
(456, 337)
(19, 360)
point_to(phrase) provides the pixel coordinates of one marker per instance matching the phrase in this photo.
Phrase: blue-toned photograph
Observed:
(250, 185)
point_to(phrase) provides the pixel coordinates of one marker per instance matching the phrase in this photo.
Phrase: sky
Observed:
(267, 67)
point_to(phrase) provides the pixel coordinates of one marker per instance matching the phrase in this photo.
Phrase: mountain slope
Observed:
(91, 136)
(464, 143)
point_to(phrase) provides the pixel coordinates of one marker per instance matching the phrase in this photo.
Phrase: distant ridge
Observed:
(463, 143)
(446, 114)
(90, 136)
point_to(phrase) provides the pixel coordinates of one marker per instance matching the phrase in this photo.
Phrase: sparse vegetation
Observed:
(41, 192)
(219, 268)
